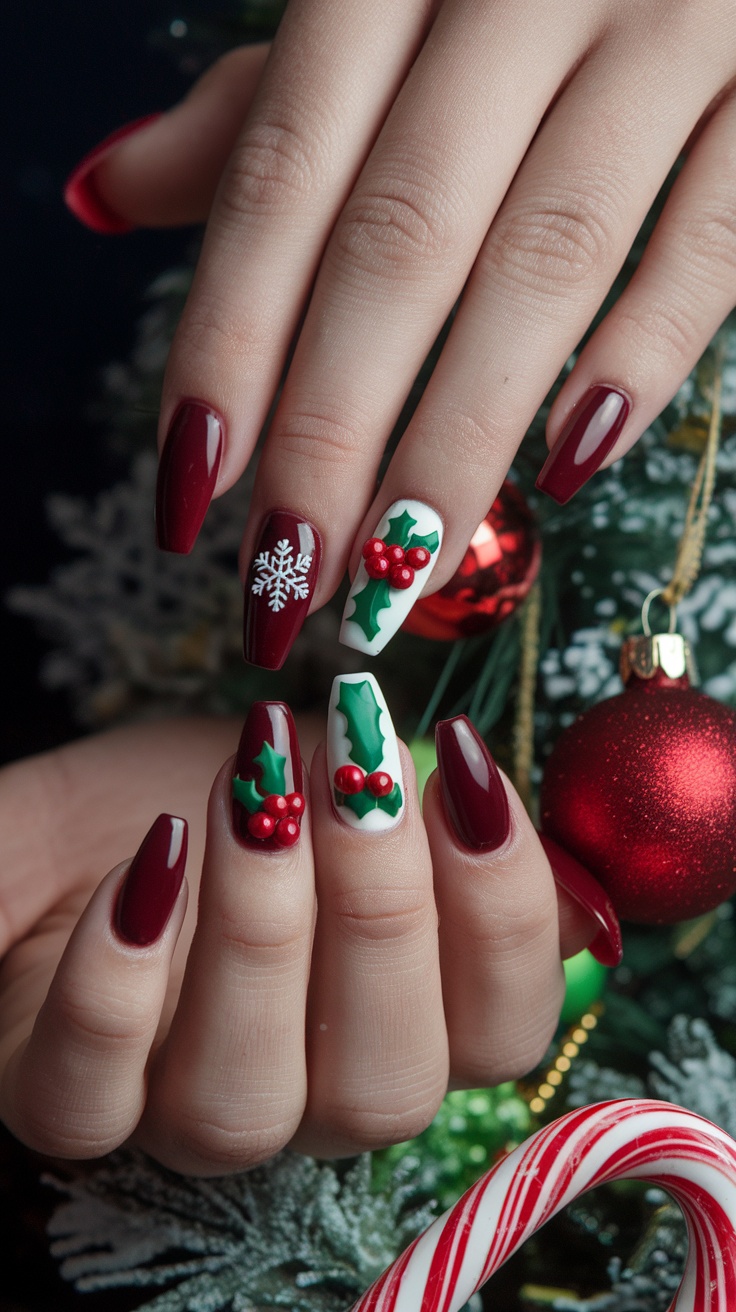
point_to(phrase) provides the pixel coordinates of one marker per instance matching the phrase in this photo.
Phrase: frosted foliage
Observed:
(293, 1233)
(651, 1279)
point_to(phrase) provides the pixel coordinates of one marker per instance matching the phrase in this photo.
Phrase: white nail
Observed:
(361, 735)
(374, 609)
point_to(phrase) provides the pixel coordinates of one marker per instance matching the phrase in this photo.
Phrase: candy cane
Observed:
(633, 1138)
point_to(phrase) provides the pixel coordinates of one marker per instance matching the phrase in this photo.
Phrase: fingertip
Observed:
(84, 196)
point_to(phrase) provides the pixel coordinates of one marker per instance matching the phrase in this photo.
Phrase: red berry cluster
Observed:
(393, 563)
(278, 819)
(351, 779)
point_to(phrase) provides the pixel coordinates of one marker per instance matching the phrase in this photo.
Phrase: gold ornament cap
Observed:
(646, 653)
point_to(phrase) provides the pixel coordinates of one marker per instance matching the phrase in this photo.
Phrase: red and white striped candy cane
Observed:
(633, 1138)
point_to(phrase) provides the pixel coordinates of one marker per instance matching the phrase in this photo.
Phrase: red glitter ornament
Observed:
(493, 579)
(641, 789)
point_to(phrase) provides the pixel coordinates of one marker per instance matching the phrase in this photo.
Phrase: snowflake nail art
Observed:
(279, 587)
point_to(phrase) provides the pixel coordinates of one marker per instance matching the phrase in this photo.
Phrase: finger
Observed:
(228, 1085)
(500, 946)
(397, 261)
(683, 289)
(74, 1081)
(333, 71)
(163, 170)
(377, 1047)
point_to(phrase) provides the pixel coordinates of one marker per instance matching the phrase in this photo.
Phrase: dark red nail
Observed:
(472, 789)
(279, 587)
(152, 884)
(589, 434)
(187, 474)
(607, 946)
(268, 798)
(80, 190)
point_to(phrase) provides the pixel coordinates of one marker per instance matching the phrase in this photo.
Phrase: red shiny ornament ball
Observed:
(394, 555)
(401, 576)
(287, 832)
(377, 567)
(641, 789)
(349, 779)
(380, 784)
(494, 576)
(296, 804)
(373, 547)
(418, 557)
(261, 825)
(275, 805)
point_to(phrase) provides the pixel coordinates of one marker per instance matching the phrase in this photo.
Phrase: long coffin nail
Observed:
(152, 884)
(472, 789)
(279, 587)
(80, 190)
(363, 762)
(395, 565)
(590, 433)
(268, 801)
(607, 946)
(187, 474)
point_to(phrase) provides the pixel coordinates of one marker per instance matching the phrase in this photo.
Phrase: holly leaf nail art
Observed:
(361, 803)
(399, 530)
(429, 540)
(391, 804)
(273, 771)
(245, 792)
(362, 714)
(368, 603)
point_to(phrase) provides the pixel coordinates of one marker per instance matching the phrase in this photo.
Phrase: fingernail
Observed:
(268, 801)
(279, 587)
(607, 946)
(472, 789)
(151, 886)
(363, 762)
(80, 191)
(187, 474)
(590, 433)
(395, 565)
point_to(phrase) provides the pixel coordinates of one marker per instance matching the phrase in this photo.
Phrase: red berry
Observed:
(394, 555)
(261, 825)
(275, 805)
(401, 576)
(295, 803)
(349, 779)
(287, 832)
(418, 557)
(377, 567)
(379, 783)
(373, 547)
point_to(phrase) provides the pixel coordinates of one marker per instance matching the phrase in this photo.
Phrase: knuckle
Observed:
(663, 329)
(479, 1061)
(215, 1145)
(321, 437)
(367, 915)
(392, 232)
(272, 167)
(212, 328)
(99, 1022)
(369, 1129)
(268, 940)
(549, 247)
(710, 237)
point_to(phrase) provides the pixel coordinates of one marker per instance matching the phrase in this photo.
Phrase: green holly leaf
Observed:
(273, 774)
(399, 530)
(245, 792)
(362, 713)
(374, 597)
(429, 540)
(359, 803)
(391, 804)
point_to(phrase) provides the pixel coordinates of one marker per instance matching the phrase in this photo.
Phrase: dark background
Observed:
(73, 72)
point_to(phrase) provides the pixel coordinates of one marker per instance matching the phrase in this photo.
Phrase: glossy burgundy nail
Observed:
(187, 474)
(607, 946)
(80, 190)
(589, 434)
(151, 886)
(279, 587)
(268, 798)
(472, 789)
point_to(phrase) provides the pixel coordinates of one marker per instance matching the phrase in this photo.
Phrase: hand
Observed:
(214, 1038)
(391, 158)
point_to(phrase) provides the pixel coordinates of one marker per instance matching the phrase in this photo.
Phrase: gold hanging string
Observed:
(523, 736)
(692, 542)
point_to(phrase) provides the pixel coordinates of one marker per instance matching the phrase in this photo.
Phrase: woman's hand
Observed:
(389, 158)
(323, 994)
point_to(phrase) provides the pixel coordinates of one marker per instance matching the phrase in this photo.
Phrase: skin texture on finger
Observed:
(333, 70)
(397, 260)
(75, 1087)
(228, 1085)
(376, 1042)
(681, 292)
(551, 255)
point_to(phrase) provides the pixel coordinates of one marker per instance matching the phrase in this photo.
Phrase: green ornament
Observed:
(424, 756)
(585, 978)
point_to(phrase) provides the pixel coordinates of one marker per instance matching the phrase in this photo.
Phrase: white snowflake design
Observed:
(278, 575)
